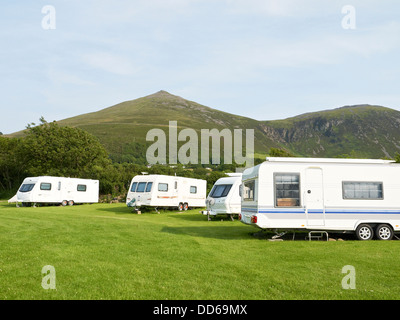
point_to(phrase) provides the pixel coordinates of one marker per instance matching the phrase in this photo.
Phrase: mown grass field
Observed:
(103, 251)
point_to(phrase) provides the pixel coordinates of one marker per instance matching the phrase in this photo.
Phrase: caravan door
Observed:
(314, 197)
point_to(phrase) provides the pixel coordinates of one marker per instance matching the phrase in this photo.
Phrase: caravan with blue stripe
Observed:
(324, 194)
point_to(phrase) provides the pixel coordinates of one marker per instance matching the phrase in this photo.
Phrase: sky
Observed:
(263, 59)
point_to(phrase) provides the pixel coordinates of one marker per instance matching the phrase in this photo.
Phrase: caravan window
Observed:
(249, 190)
(362, 190)
(287, 189)
(220, 190)
(81, 187)
(26, 187)
(163, 187)
(45, 186)
(148, 187)
(133, 188)
(193, 189)
(141, 187)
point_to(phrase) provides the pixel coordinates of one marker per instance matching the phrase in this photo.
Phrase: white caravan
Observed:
(57, 190)
(346, 195)
(224, 197)
(166, 191)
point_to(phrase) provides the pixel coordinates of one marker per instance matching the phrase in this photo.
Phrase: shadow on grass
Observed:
(195, 215)
(214, 232)
(130, 211)
(192, 215)
(116, 209)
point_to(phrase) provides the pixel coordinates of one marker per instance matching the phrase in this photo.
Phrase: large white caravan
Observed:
(347, 195)
(57, 190)
(224, 198)
(166, 191)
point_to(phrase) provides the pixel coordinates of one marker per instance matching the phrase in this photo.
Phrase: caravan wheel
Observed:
(364, 232)
(71, 202)
(384, 232)
(185, 206)
(180, 206)
(64, 203)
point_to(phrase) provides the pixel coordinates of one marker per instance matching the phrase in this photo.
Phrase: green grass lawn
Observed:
(103, 251)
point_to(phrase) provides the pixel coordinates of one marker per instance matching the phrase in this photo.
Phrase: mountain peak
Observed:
(161, 94)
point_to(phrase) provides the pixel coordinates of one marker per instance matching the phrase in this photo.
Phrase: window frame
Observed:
(163, 183)
(45, 183)
(81, 185)
(253, 181)
(150, 183)
(275, 189)
(354, 182)
(226, 189)
(195, 189)
(134, 184)
(29, 187)
(141, 183)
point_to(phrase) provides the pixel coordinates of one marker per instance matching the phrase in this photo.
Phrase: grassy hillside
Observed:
(103, 251)
(359, 131)
(122, 126)
(362, 131)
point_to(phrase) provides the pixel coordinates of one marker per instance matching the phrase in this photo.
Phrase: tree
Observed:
(63, 151)
(12, 163)
(276, 152)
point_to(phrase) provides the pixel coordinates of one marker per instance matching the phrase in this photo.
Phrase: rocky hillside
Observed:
(358, 131)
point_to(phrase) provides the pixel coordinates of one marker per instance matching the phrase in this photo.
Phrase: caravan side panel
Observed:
(83, 191)
(55, 190)
(322, 196)
(196, 192)
(166, 191)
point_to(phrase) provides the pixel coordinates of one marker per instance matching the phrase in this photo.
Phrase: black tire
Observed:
(364, 232)
(71, 202)
(384, 232)
(64, 203)
(185, 206)
(180, 206)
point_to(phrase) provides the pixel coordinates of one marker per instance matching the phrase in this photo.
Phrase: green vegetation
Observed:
(122, 128)
(103, 251)
(50, 149)
(361, 131)
(110, 145)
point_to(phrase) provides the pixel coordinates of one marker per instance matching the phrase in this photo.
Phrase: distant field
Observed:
(103, 251)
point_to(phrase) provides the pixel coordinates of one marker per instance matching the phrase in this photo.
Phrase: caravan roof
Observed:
(328, 160)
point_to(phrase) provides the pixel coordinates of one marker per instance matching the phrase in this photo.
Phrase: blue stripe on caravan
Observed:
(253, 210)
(276, 211)
(362, 212)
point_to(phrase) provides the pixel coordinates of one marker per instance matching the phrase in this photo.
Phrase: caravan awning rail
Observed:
(328, 160)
